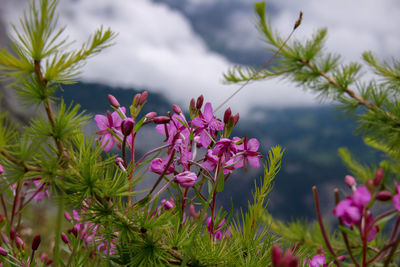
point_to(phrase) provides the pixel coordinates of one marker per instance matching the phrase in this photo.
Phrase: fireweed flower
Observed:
(283, 260)
(158, 165)
(316, 261)
(207, 124)
(396, 198)
(111, 122)
(1, 169)
(247, 152)
(211, 162)
(186, 179)
(350, 209)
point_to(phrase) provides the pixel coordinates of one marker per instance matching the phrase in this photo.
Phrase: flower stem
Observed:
(59, 220)
(322, 227)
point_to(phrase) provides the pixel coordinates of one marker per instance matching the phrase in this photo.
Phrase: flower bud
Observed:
(67, 216)
(186, 179)
(1, 169)
(383, 195)
(3, 252)
(151, 115)
(350, 181)
(276, 255)
(12, 234)
(227, 115)
(379, 176)
(44, 257)
(74, 231)
(192, 105)
(113, 101)
(64, 238)
(136, 99)
(36, 242)
(176, 109)
(18, 241)
(167, 204)
(199, 102)
(143, 98)
(161, 120)
(236, 118)
(127, 126)
(341, 258)
(370, 184)
(193, 213)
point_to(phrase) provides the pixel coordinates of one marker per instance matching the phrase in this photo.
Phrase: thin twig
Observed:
(297, 24)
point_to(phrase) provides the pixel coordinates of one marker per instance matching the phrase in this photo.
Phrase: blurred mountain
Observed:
(310, 136)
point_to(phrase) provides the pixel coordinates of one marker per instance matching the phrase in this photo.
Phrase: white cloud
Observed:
(157, 48)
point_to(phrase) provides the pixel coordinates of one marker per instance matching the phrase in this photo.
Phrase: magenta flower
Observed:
(247, 152)
(106, 123)
(211, 162)
(158, 166)
(316, 261)
(186, 179)
(350, 209)
(396, 198)
(1, 169)
(207, 124)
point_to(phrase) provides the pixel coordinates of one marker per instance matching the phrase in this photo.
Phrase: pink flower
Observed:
(111, 122)
(186, 179)
(1, 169)
(280, 260)
(207, 124)
(350, 209)
(316, 261)
(158, 166)
(247, 152)
(396, 198)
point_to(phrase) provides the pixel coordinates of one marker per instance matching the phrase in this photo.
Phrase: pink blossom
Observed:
(350, 209)
(207, 124)
(1, 169)
(316, 261)
(158, 166)
(111, 122)
(186, 179)
(396, 198)
(247, 152)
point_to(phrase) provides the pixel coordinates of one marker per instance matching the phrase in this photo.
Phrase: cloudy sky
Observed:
(182, 47)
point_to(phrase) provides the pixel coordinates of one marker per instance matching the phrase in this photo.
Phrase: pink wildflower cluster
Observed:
(89, 233)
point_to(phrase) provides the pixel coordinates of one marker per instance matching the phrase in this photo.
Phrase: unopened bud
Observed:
(67, 216)
(341, 258)
(143, 98)
(74, 231)
(113, 101)
(151, 115)
(236, 118)
(64, 238)
(199, 102)
(18, 241)
(127, 126)
(350, 181)
(370, 185)
(161, 120)
(383, 195)
(379, 176)
(227, 115)
(3, 252)
(136, 99)
(36, 242)
(193, 213)
(192, 104)
(12, 234)
(176, 109)
(276, 255)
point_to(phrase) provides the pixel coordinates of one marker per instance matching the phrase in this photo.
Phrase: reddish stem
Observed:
(322, 227)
